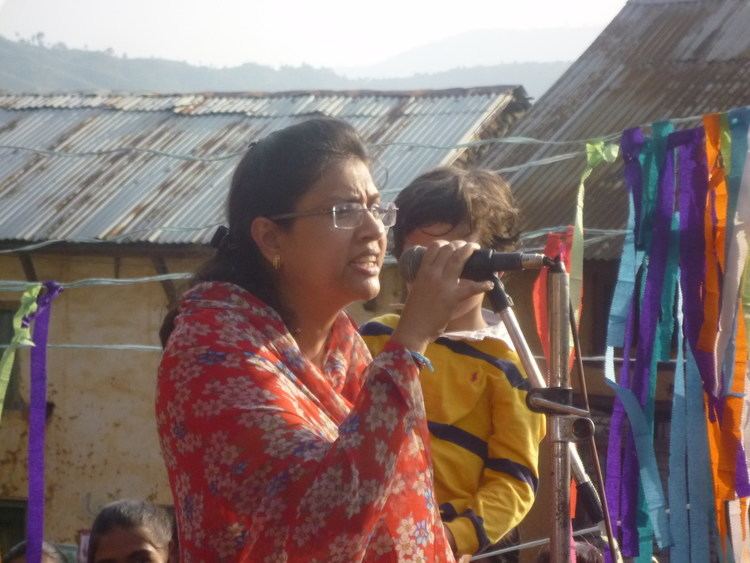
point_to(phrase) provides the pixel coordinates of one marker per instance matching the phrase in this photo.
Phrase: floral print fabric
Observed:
(271, 459)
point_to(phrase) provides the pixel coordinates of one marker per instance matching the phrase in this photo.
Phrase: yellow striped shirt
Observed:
(485, 440)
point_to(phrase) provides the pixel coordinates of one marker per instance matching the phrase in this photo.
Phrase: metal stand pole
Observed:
(565, 422)
(559, 378)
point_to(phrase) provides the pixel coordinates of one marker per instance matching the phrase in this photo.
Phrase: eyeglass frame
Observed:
(390, 206)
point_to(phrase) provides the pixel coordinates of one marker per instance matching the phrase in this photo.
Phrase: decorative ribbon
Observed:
(558, 244)
(689, 473)
(37, 420)
(678, 460)
(699, 483)
(21, 337)
(635, 391)
(596, 153)
(631, 455)
(715, 221)
(619, 334)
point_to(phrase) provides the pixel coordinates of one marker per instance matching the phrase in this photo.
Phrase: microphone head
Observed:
(411, 259)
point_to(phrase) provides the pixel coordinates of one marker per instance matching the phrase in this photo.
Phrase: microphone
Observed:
(482, 265)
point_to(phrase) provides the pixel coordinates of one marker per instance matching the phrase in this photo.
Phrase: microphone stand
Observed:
(565, 423)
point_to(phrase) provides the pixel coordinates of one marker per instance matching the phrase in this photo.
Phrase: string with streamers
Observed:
(683, 268)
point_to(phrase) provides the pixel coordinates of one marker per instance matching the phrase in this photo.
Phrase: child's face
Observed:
(134, 545)
(445, 231)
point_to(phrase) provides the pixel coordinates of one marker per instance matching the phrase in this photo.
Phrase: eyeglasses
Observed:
(350, 215)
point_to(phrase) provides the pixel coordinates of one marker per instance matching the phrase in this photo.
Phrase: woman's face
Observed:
(134, 545)
(333, 266)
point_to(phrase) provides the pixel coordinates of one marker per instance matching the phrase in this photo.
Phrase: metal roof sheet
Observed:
(152, 197)
(658, 59)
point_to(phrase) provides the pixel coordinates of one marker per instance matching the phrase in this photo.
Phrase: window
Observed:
(12, 523)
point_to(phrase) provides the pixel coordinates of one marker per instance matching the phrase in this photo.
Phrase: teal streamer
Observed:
(677, 484)
(699, 480)
(648, 470)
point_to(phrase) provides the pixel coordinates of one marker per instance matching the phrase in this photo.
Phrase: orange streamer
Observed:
(716, 210)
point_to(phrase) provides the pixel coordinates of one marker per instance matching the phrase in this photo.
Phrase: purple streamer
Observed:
(648, 318)
(628, 475)
(741, 478)
(37, 420)
(692, 201)
(620, 438)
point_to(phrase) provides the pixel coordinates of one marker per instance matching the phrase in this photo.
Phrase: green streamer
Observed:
(596, 153)
(21, 337)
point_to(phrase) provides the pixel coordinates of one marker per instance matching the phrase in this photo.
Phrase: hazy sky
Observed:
(332, 33)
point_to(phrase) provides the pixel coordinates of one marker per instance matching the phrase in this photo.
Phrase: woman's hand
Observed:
(435, 292)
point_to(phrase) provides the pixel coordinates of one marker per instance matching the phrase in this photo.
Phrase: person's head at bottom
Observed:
(131, 530)
(450, 203)
(17, 554)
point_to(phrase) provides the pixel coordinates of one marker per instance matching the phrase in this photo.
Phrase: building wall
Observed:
(101, 436)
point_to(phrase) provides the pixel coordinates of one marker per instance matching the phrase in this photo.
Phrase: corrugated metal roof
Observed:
(656, 60)
(147, 197)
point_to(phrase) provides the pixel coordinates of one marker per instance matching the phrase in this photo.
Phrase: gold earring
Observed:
(276, 262)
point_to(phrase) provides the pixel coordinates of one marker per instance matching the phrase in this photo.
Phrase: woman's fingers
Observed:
(462, 251)
(436, 292)
(467, 288)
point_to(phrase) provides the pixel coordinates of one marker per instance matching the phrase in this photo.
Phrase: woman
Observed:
(283, 439)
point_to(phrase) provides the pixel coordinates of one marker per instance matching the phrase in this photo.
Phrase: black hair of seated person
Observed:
(129, 514)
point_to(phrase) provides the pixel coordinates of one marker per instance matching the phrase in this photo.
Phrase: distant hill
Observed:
(535, 77)
(29, 67)
(483, 47)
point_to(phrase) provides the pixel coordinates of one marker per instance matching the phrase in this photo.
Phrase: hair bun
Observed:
(220, 238)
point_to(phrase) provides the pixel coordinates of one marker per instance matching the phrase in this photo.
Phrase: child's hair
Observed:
(49, 551)
(480, 198)
(129, 514)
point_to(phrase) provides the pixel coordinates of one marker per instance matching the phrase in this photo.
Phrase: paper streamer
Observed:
(21, 337)
(37, 420)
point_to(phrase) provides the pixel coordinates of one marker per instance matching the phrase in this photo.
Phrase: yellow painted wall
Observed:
(101, 437)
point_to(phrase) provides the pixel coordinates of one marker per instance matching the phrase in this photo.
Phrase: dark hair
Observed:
(451, 195)
(129, 514)
(269, 180)
(19, 550)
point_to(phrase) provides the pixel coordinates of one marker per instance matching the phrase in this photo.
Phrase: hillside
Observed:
(29, 67)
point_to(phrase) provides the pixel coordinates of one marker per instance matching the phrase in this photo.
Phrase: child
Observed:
(485, 440)
(131, 530)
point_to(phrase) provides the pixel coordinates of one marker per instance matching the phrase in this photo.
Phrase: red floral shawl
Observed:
(270, 459)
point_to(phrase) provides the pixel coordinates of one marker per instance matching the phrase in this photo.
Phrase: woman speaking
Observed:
(283, 439)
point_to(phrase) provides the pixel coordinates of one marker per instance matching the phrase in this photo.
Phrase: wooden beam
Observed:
(28, 267)
(160, 265)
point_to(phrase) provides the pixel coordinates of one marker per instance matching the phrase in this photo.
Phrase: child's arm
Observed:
(510, 476)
